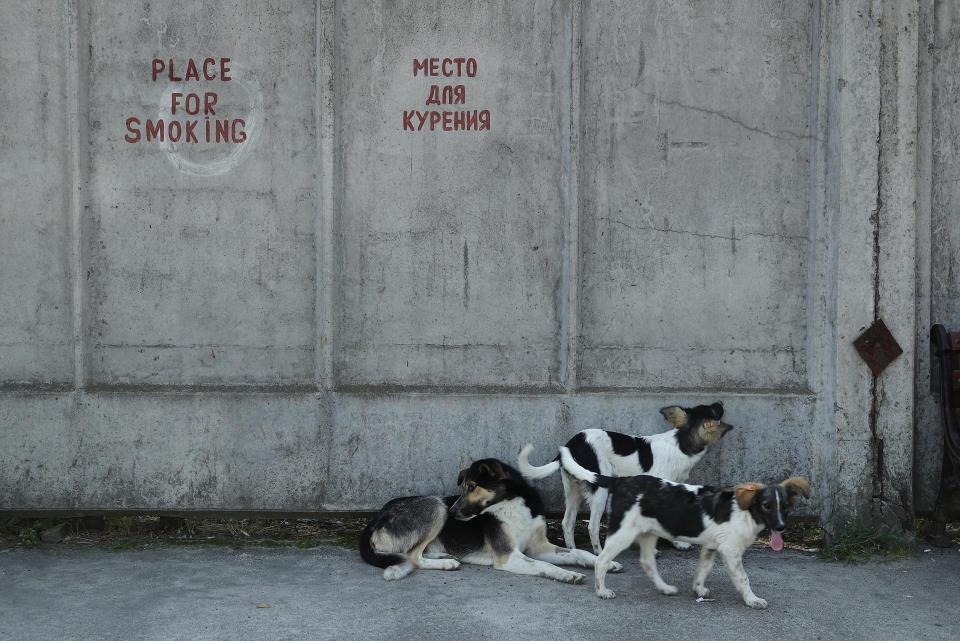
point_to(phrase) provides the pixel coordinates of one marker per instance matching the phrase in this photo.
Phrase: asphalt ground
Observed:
(327, 592)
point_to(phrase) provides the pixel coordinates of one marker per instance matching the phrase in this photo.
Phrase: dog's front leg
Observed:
(733, 559)
(429, 562)
(544, 550)
(519, 563)
(707, 556)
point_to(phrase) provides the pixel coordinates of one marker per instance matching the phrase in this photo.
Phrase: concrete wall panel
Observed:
(452, 241)
(439, 435)
(233, 451)
(36, 328)
(202, 266)
(39, 462)
(695, 179)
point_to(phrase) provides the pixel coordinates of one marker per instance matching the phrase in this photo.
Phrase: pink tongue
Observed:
(776, 541)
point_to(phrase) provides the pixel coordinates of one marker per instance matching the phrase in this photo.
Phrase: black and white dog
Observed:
(498, 520)
(670, 455)
(726, 520)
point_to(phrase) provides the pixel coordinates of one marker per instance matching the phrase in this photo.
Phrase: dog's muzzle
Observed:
(455, 512)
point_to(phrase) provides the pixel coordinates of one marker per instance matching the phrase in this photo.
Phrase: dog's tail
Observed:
(373, 557)
(578, 471)
(531, 472)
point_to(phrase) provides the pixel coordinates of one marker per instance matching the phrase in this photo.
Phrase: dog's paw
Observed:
(615, 567)
(682, 545)
(572, 577)
(606, 593)
(448, 564)
(701, 591)
(669, 590)
(756, 602)
(395, 572)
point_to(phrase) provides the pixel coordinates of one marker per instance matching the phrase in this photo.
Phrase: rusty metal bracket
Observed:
(945, 347)
(877, 347)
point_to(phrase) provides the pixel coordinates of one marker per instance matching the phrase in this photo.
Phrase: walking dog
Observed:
(497, 520)
(727, 521)
(669, 455)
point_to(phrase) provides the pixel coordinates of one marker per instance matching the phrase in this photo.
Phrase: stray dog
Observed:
(498, 520)
(670, 455)
(720, 520)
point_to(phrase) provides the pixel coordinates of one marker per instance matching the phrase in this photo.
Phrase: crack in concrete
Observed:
(782, 135)
(876, 443)
(668, 230)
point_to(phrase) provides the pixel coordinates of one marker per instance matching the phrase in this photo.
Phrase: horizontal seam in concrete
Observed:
(200, 389)
(305, 348)
(397, 390)
(445, 390)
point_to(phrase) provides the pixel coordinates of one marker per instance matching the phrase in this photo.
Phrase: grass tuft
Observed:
(858, 542)
(347, 541)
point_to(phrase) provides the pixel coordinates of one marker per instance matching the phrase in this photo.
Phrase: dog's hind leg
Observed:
(598, 505)
(573, 498)
(431, 561)
(648, 561)
(733, 559)
(415, 523)
(616, 543)
(704, 566)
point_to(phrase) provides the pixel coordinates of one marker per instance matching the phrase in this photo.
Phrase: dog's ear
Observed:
(491, 469)
(745, 493)
(717, 410)
(675, 415)
(795, 487)
(462, 476)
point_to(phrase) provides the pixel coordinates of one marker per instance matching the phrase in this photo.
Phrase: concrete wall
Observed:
(675, 203)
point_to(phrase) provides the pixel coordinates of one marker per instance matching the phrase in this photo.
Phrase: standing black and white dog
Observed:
(670, 455)
(498, 520)
(726, 520)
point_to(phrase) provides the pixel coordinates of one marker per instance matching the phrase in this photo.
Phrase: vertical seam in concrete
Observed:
(812, 195)
(876, 444)
(816, 344)
(570, 201)
(896, 251)
(77, 107)
(336, 240)
(923, 232)
(325, 221)
(832, 18)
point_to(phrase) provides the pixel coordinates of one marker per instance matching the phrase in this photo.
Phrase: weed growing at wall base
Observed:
(858, 542)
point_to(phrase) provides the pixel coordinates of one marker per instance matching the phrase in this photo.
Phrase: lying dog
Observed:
(498, 520)
(721, 520)
(669, 455)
